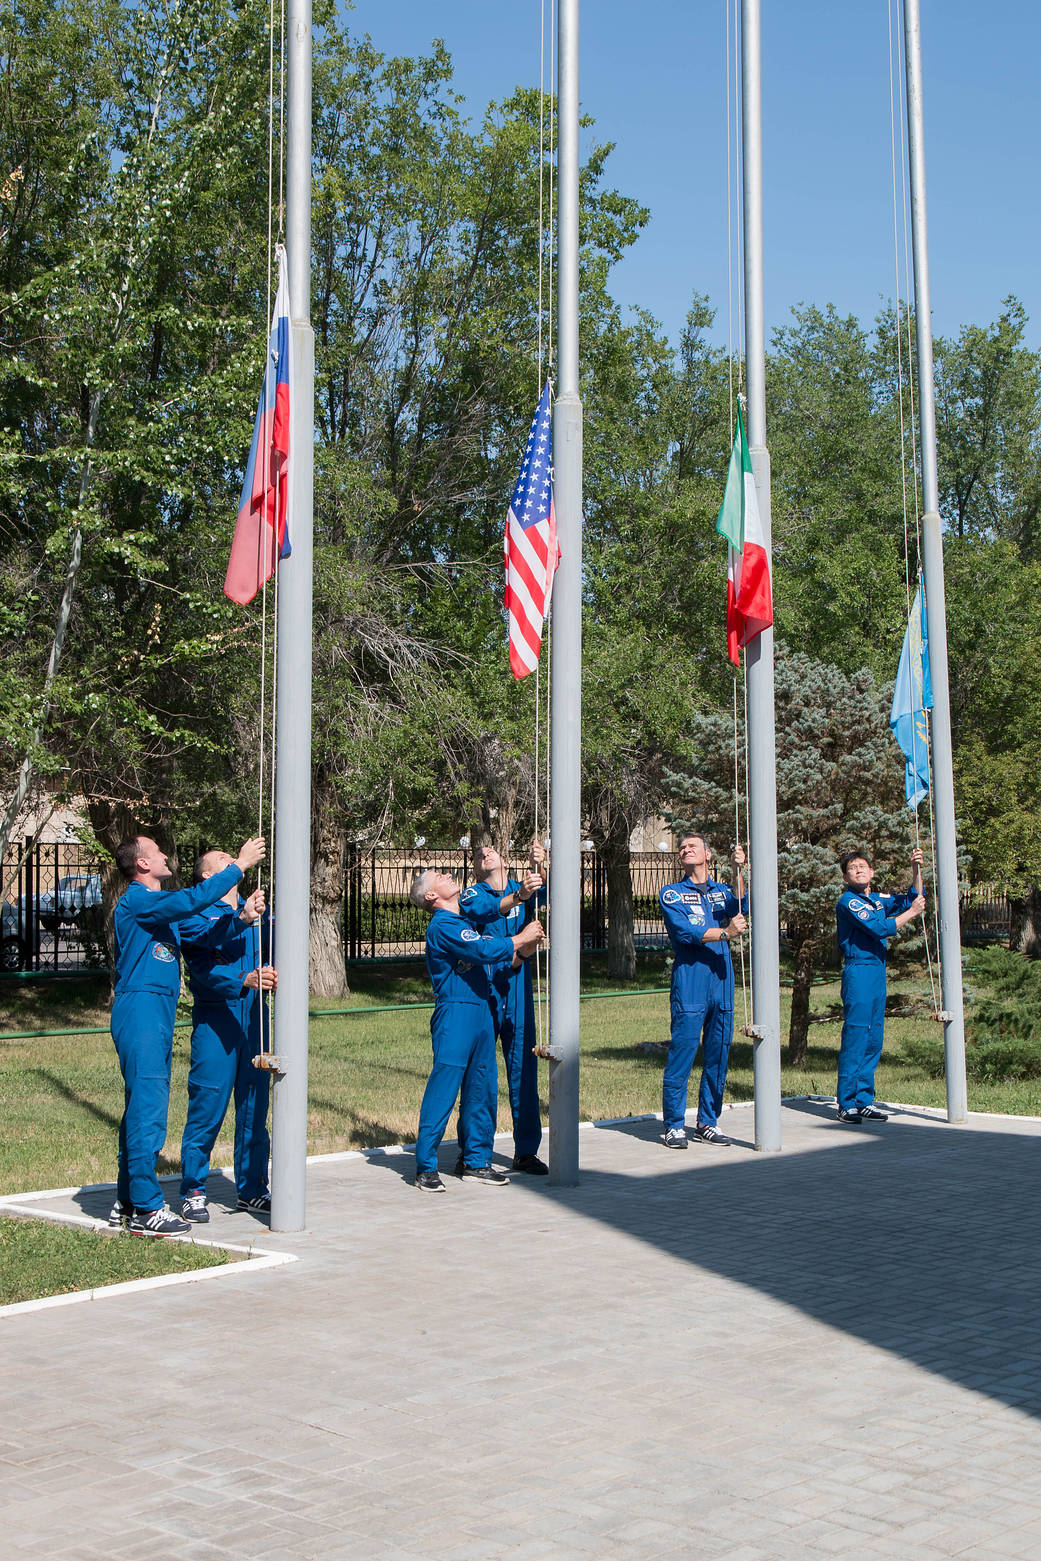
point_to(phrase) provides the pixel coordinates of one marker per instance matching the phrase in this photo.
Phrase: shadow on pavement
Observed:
(923, 1241)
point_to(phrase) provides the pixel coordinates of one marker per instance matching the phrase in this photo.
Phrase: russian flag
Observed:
(262, 529)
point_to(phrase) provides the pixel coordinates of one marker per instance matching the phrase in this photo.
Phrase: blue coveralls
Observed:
(702, 997)
(220, 950)
(513, 1007)
(148, 982)
(461, 1029)
(864, 921)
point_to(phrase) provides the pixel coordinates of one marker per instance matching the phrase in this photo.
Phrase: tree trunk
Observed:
(621, 946)
(328, 974)
(798, 1030)
(1025, 925)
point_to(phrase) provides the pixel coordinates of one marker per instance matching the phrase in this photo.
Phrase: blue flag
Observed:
(912, 697)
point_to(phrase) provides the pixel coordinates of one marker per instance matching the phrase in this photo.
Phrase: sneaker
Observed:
(429, 1181)
(261, 1204)
(675, 1138)
(194, 1208)
(157, 1222)
(486, 1175)
(530, 1164)
(119, 1214)
(872, 1114)
(706, 1134)
(459, 1167)
(854, 1117)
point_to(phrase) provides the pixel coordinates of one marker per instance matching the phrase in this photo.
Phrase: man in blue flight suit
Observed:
(461, 1030)
(701, 918)
(224, 957)
(148, 982)
(500, 904)
(865, 921)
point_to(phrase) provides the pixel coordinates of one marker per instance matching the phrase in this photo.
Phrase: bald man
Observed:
(229, 977)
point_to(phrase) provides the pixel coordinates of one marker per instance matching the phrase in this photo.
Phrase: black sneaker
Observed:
(429, 1181)
(486, 1175)
(261, 1204)
(872, 1114)
(675, 1138)
(705, 1134)
(530, 1164)
(194, 1208)
(157, 1222)
(459, 1167)
(119, 1214)
(854, 1118)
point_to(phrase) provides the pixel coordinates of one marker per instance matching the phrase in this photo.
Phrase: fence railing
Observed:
(53, 918)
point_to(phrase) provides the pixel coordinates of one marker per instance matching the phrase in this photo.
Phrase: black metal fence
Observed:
(52, 917)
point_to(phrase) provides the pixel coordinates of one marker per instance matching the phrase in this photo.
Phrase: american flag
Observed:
(531, 549)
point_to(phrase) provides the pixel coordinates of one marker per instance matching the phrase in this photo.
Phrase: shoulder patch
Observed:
(669, 897)
(467, 895)
(164, 953)
(858, 905)
(864, 915)
(468, 935)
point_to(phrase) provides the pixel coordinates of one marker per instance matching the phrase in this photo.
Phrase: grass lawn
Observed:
(38, 1258)
(61, 1097)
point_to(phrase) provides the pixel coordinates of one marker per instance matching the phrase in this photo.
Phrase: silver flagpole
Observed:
(292, 886)
(936, 611)
(566, 690)
(759, 658)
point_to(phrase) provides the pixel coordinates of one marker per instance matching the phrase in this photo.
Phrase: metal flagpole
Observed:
(566, 689)
(293, 722)
(936, 612)
(759, 715)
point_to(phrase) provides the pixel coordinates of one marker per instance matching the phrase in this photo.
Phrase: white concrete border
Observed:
(255, 1257)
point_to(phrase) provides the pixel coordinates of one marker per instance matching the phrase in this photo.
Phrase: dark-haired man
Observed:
(702, 916)
(225, 956)
(148, 982)
(865, 922)
(461, 1031)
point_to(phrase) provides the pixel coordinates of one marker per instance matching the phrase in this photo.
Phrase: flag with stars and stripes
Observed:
(531, 551)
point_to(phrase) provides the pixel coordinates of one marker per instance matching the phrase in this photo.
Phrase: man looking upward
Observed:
(865, 923)
(224, 955)
(503, 905)
(461, 1031)
(148, 982)
(701, 917)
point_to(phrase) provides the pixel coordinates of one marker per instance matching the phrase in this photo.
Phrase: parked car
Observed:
(75, 894)
(76, 901)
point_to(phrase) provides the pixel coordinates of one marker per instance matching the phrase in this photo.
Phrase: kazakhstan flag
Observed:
(912, 697)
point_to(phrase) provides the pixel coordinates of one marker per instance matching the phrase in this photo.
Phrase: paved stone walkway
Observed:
(831, 1352)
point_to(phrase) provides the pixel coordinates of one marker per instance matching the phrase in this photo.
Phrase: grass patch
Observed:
(38, 1259)
(61, 1098)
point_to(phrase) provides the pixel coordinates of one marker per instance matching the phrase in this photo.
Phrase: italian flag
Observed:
(749, 604)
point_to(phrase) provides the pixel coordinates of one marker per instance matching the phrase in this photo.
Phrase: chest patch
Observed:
(164, 953)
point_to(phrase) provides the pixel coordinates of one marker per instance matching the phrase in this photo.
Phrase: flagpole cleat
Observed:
(755, 1032)
(554, 1053)
(267, 1062)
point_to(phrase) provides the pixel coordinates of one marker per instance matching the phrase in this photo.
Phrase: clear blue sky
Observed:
(652, 77)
